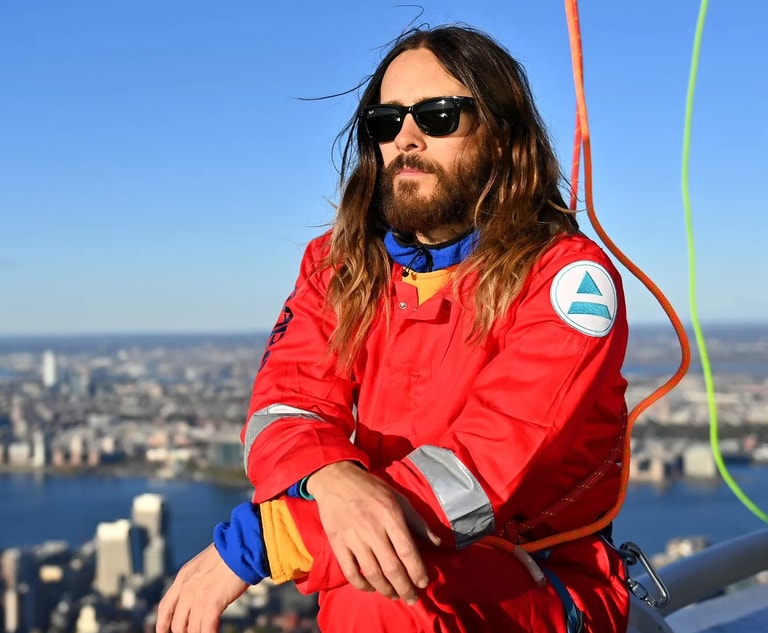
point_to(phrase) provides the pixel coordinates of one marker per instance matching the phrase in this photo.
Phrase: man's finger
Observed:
(373, 569)
(351, 570)
(398, 577)
(166, 609)
(195, 616)
(180, 621)
(411, 563)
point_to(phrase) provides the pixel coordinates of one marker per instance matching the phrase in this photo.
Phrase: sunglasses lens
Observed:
(438, 117)
(435, 117)
(383, 123)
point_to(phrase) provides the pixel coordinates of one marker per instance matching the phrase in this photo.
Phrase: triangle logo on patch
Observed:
(588, 286)
(584, 295)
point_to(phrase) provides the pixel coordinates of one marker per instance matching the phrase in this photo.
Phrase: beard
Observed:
(452, 201)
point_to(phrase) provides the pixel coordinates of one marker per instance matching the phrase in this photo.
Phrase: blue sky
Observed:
(159, 173)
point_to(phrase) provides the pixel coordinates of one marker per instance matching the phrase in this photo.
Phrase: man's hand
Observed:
(367, 524)
(202, 590)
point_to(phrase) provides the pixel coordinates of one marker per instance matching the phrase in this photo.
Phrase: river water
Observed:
(36, 508)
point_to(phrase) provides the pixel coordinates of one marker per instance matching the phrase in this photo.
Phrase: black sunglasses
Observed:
(438, 116)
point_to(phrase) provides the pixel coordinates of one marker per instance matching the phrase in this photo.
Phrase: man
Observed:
(446, 369)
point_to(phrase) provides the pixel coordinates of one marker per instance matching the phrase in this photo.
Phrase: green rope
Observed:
(713, 427)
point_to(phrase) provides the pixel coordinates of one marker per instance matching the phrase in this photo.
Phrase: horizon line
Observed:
(251, 332)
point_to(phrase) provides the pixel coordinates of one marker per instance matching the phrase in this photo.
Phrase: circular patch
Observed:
(584, 296)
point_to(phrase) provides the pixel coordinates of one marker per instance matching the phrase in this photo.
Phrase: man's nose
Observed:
(410, 137)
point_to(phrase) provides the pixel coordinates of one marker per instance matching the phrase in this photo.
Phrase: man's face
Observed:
(428, 184)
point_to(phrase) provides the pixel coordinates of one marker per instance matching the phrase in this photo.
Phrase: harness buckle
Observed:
(632, 554)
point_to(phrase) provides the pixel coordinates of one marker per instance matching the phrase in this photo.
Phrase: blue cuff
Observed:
(299, 490)
(241, 545)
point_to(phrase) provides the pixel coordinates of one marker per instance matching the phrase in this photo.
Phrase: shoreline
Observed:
(222, 478)
(234, 479)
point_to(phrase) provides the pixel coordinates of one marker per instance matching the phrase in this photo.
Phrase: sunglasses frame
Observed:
(460, 102)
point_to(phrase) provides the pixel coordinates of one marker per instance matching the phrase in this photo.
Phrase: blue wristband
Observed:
(299, 490)
(303, 489)
(241, 545)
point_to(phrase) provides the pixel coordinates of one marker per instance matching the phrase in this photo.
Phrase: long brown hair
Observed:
(519, 212)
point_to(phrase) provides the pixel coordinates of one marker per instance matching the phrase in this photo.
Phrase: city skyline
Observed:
(107, 419)
(160, 171)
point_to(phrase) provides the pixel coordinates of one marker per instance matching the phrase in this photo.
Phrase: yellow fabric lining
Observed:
(428, 284)
(288, 556)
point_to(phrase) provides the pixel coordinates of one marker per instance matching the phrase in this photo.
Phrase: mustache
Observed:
(405, 161)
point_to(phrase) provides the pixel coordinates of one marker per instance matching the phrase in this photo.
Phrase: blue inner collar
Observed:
(425, 258)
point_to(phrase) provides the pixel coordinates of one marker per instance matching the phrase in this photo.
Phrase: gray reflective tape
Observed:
(262, 418)
(461, 496)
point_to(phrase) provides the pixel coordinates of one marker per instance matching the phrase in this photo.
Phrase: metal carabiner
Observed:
(632, 554)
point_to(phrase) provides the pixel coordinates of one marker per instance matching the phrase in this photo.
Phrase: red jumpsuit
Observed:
(481, 437)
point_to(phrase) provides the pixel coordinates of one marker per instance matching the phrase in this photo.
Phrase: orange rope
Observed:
(582, 143)
(575, 164)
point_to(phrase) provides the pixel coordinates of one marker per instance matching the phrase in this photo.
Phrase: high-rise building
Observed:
(155, 558)
(77, 449)
(10, 566)
(49, 371)
(114, 558)
(149, 513)
(11, 606)
(18, 419)
(40, 450)
(18, 571)
(20, 453)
